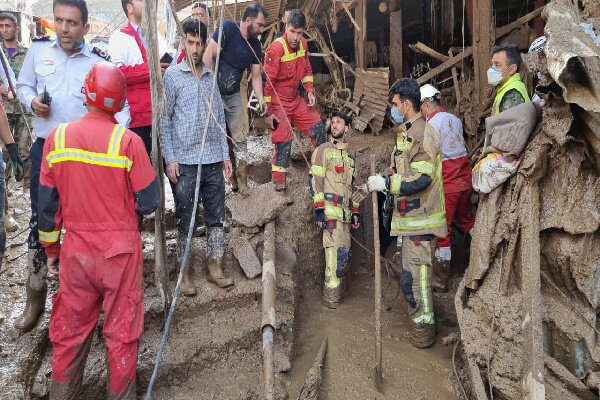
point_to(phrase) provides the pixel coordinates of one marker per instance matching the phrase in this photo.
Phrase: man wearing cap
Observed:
(456, 173)
(95, 176)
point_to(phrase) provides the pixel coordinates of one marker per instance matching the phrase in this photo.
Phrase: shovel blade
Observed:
(379, 378)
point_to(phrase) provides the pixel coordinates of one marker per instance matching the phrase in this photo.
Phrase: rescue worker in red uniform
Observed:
(287, 64)
(95, 176)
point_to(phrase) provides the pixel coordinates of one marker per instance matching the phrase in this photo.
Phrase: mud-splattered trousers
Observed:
(95, 176)
(331, 181)
(212, 195)
(237, 125)
(419, 211)
(284, 69)
(2, 194)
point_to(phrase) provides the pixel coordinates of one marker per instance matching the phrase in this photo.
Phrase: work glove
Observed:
(377, 183)
(15, 160)
(320, 215)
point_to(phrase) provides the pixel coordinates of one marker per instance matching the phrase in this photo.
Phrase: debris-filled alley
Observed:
(320, 199)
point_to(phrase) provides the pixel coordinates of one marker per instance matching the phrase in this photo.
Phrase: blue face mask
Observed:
(396, 115)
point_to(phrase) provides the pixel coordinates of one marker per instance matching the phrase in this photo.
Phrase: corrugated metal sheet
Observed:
(373, 84)
(234, 11)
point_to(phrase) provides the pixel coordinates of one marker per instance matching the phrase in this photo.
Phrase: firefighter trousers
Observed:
(415, 278)
(97, 270)
(338, 257)
(306, 119)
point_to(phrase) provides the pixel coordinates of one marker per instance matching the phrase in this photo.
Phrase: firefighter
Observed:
(332, 179)
(419, 213)
(286, 64)
(95, 176)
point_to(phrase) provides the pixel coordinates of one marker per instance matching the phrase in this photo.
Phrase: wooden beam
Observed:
(396, 40)
(351, 17)
(422, 48)
(360, 37)
(452, 61)
(499, 32)
(482, 44)
(456, 86)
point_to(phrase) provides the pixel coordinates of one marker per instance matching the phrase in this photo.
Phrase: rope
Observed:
(193, 219)
(455, 371)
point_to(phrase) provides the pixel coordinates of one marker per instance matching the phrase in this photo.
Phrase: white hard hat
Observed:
(428, 92)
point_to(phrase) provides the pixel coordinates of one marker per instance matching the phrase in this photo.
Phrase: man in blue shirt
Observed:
(240, 49)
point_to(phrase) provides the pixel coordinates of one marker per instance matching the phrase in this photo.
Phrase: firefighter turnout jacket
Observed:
(416, 181)
(284, 69)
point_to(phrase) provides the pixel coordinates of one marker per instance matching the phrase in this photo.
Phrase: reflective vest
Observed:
(332, 177)
(418, 151)
(513, 83)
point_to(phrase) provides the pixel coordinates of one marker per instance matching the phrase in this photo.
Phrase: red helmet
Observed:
(104, 87)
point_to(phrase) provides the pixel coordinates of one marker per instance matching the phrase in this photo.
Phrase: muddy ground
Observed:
(226, 366)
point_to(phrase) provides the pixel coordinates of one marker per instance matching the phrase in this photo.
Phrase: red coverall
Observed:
(94, 177)
(138, 85)
(284, 69)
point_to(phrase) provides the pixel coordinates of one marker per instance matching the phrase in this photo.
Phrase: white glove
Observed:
(376, 183)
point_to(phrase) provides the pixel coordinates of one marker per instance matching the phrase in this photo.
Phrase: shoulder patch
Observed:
(41, 39)
(100, 53)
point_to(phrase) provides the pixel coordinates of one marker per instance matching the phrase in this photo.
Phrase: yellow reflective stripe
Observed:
(336, 154)
(285, 48)
(423, 167)
(422, 318)
(332, 211)
(424, 291)
(59, 136)
(403, 145)
(267, 99)
(293, 56)
(317, 170)
(49, 237)
(355, 203)
(307, 79)
(275, 168)
(319, 197)
(89, 157)
(395, 184)
(401, 223)
(114, 145)
(331, 278)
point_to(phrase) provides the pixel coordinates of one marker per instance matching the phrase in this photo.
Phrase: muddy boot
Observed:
(187, 284)
(35, 305)
(441, 269)
(280, 186)
(241, 174)
(421, 335)
(215, 273)
(332, 296)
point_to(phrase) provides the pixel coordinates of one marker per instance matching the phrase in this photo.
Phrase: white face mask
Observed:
(494, 76)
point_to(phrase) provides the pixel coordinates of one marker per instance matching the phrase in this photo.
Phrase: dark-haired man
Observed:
(127, 49)
(182, 125)
(331, 182)
(240, 50)
(286, 64)
(57, 66)
(504, 75)
(15, 52)
(201, 12)
(419, 212)
(285, 14)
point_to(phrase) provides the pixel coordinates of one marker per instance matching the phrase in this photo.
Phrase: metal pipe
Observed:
(268, 308)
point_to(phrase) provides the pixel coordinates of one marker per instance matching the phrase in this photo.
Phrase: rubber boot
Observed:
(441, 271)
(421, 335)
(332, 297)
(280, 186)
(35, 305)
(187, 284)
(215, 273)
(10, 224)
(241, 174)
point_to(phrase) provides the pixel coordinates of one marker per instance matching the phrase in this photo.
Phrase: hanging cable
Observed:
(193, 219)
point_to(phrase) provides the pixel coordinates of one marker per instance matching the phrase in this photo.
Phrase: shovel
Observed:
(378, 358)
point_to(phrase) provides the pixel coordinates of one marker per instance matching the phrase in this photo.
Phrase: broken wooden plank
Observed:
(312, 383)
(455, 81)
(351, 17)
(499, 32)
(396, 41)
(452, 61)
(422, 48)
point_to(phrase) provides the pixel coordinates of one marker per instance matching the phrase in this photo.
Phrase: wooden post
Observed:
(360, 37)
(157, 90)
(376, 250)
(482, 43)
(396, 41)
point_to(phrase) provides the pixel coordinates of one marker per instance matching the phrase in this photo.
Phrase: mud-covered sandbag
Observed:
(492, 171)
(508, 132)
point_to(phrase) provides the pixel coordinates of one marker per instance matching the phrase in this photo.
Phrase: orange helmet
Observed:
(104, 87)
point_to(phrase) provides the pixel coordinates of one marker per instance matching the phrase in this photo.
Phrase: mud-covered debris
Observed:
(244, 253)
(260, 205)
